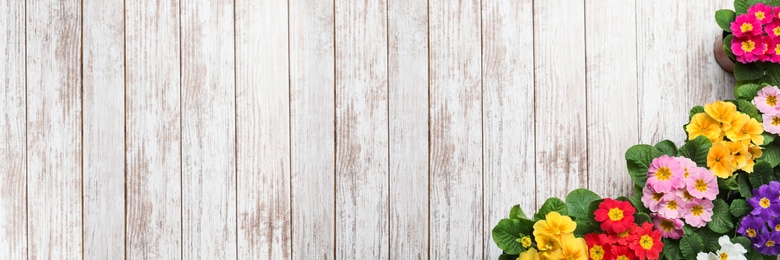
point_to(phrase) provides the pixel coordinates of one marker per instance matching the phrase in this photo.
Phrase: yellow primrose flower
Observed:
(571, 249)
(719, 160)
(739, 154)
(754, 129)
(554, 225)
(755, 153)
(723, 112)
(703, 124)
(526, 241)
(547, 243)
(529, 254)
(734, 133)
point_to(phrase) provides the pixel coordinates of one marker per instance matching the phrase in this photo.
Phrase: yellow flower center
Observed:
(777, 46)
(646, 242)
(776, 120)
(596, 252)
(663, 174)
(667, 225)
(697, 210)
(526, 241)
(615, 214)
(748, 45)
(746, 27)
(770, 243)
(764, 202)
(623, 234)
(686, 169)
(760, 15)
(777, 227)
(658, 196)
(701, 185)
(772, 100)
(687, 195)
(622, 257)
(672, 205)
(724, 256)
(750, 232)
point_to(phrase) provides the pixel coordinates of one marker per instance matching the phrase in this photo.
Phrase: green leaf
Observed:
(667, 147)
(507, 257)
(748, 71)
(638, 159)
(762, 174)
(771, 154)
(724, 18)
(722, 221)
(748, 108)
(578, 200)
(727, 47)
(552, 204)
(744, 241)
(585, 227)
(768, 138)
(739, 208)
(741, 6)
(695, 110)
(690, 245)
(772, 74)
(744, 187)
(517, 213)
(672, 249)
(507, 234)
(636, 200)
(729, 184)
(696, 150)
(747, 91)
(641, 217)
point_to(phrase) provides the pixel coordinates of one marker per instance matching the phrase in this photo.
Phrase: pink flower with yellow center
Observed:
(762, 13)
(687, 165)
(664, 174)
(771, 123)
(672, 208)
(670, 227)
(767, 100)
(748, 49)
(746, 25)
(651, 199)
(702, 184)
(773, 52)
(698, 212)
(773, 30)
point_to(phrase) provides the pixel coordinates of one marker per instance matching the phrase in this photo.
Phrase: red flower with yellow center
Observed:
(649, 244)
(615, 216)
(599, 247)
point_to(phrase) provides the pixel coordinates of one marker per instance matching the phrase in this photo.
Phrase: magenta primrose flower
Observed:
(748, 49)
(665, 174)
(762, 13)
(746, 25)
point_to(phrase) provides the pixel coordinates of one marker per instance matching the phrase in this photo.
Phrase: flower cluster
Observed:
(677, 189)
(766, 210)
(735, 137)
(757, 34)
(555, 240)
(727, 250)
(621, 238)
(766, 102)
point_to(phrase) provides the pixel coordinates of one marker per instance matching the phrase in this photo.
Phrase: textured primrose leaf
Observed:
(695, 110)
(671, 249)
(552, 204)
(744, 241)
(578, 200)
(690, 245)
(638, 159)
(762, 174)
(771, 154)
(517, 213)
(768, 138)
(747, 91)
(748, 71)
(744, 186)
(667, 147)
(641, 217)
(724, 18)
(696, 150)
(507, 233)
(748, 108)
(772, 74)
(741, 6)
(739, 208)
(727, 46)
(722, 221)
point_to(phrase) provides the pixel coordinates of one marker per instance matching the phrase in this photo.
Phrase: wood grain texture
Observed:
(407, 77)
(559, 50)
(54, 126)
(13, 170)
(508, 112)
(312, 128)
(208, 130)
(706, 80)
(104, 129)
(263, 131)
(611, 94)
(153, 157)
(456, 130)
(362, 213)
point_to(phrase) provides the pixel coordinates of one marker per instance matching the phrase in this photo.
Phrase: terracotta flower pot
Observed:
(723, 60)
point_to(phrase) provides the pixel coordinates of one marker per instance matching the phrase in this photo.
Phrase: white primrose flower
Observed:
(727, 250)
(706, 256)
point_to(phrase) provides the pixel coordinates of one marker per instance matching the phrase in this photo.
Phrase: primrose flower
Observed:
(765, 202)
(774, 224)
(673, 208)
(719, 160)
(687, 165)
(773, 50)
(530, 254)
(751, 226)
(649, 244)
(670, 228)
(547, 243)
(773, 30)
(599, 246)
(651, 199)
(702, 184)
(554, 225)
(771, 123)
(768, 243)
(721, 111)
(730, 250)
(572, 248)
(703, 124)
(748, 49)
(746, 25)
(615, 216)
(762, 13)
(740, 155)
(699, 212)
(766, 100)
(664, 174)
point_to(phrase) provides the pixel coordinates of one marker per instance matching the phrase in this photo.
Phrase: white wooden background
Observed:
(322, 129)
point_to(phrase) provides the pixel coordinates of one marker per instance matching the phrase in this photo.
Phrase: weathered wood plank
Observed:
(263, 121)
(312, 128)
(408, 106)
(54, 126)
(104, 129)
(153, 125)
(706, 80)
(611, 94)
(508, 112)
(13, 170)
(456, 130)
(559, 50)
(208, 130)
(361, 130)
